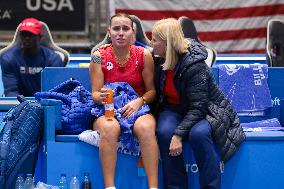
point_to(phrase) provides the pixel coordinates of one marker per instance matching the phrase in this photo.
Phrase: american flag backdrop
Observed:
(228, 26)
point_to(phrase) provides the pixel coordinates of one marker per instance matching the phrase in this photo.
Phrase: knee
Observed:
(200, 132)
(109, 132)
(164, 135)
(145, 131)
(167, 123)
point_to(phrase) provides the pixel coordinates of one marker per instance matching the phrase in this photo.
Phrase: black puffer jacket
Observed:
(202, 99)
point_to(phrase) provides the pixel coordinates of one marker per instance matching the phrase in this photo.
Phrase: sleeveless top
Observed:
(130, 73)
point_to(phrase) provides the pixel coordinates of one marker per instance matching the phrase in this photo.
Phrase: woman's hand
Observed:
(176, 146)
(100, 95)
(132, 107)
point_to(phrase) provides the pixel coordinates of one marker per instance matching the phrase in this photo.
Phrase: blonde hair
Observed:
(170, 30)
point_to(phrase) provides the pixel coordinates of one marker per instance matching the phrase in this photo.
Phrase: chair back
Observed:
(140, 31)
(188, 28)
(275, 43)
(189, 31)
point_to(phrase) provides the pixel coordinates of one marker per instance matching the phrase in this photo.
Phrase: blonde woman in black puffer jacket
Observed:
(191, 107)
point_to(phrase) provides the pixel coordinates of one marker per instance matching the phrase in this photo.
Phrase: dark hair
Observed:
(121, 15)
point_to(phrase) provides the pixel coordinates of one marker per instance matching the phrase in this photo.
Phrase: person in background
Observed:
(124, 62)
(22, 64)
(191, 108)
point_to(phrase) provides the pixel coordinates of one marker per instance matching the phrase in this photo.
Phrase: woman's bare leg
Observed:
(144, 129)
(109, 131)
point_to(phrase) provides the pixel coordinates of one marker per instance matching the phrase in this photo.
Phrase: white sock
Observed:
(111, 187)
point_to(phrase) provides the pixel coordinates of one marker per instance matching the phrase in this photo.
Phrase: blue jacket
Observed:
(21, 74)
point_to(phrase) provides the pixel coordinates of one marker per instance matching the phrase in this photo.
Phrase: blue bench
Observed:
(258, 163)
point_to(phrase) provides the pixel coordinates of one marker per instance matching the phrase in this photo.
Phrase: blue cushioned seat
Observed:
(258, 163)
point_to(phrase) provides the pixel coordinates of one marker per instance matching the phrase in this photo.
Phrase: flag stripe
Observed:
(237, 45)
(232, 34)
(226, 35)
(254, 45)
(189, 4)
(226, 24)
(212, 14)
(252, 51)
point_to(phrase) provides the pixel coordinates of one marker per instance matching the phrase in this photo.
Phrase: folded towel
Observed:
(274, 122)
(256, 129)
(263, 125)
(246, 86)
(2, 114)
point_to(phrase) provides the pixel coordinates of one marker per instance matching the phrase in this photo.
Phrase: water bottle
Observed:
(62, 182)
(20, 182)
(29, 183)
(108, 102)
(86, 183)
(74, 183)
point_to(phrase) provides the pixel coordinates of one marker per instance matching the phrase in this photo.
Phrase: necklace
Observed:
(121, 60)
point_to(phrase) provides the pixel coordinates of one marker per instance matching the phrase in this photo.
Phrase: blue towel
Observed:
(246, 86)
(263, 125)
(124, 93)
(2, 114)
(256, 129)
(274, 122)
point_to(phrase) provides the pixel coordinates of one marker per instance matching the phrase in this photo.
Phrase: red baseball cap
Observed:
(31, 25)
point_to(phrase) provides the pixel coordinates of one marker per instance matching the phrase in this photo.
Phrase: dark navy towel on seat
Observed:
(246, 86)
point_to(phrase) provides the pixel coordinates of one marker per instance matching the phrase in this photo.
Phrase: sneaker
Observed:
(90, 137)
